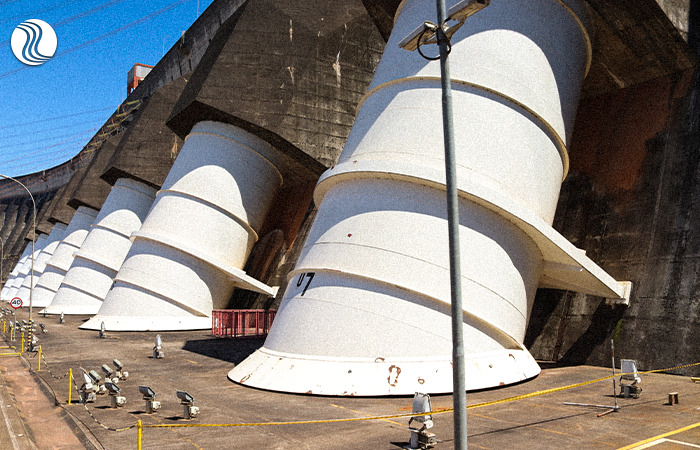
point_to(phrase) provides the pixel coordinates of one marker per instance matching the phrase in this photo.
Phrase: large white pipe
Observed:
(59, 263)
(188, 256)
(366, 310)
(90, 277)
(15, 271)
(41, 257)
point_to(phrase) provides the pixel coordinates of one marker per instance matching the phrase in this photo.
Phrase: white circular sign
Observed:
(34, 42)
(16, 302)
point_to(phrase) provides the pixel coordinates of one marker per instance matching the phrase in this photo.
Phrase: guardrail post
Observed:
(22, 341)
(39, 366)
(70, 384)
(30, 336)
(139, 434)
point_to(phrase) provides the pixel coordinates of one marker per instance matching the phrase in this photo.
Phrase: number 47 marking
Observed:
(300, 281)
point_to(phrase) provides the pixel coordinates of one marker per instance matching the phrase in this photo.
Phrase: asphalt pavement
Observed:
(534, 414)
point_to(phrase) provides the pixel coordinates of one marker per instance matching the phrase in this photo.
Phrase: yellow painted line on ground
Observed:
(367, 415)
(661, 436)
(193, 362)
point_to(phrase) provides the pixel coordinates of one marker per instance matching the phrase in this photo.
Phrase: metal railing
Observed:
(241, 322)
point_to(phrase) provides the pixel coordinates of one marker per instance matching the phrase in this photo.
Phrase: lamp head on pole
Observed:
(427, 31)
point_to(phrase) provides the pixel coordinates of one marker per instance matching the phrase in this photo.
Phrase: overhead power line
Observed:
(33, 142)
(9, 140)
(86, 13)
(80, 137)
(55, 118)
(37, 12)
(75, 17)
(58, 157)
(120, 29)
(106, 35)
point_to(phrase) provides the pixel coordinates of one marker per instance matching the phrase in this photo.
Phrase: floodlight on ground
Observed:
(420, 424)
(87, 380)
(33, 342)
(114, 391)
(43, 328)
(185, 398)
(96, 377)
(109, 374)
(158, 348)
(97, 381)
(120, 373)
(107, 370)
(149, 395)
(187, 401)
(112, 388)
(87, 389)
(147, 392)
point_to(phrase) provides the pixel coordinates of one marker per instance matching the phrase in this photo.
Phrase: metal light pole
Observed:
(459, 389)
(31, 273)
(427, 34)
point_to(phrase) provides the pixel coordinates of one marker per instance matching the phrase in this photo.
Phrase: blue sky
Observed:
(49, 112)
